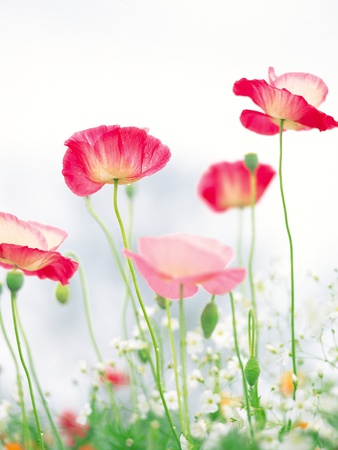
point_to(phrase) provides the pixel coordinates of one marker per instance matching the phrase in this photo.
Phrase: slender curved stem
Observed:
(146, 318)
(252, 250)
(36, 380)
(293, 340)
(19, 383)
(37, 422)
(85, 295)
(118, 261)
(173, 353)
(183, 355)
(245, 388)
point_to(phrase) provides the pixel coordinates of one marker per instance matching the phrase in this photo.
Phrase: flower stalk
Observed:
(292, 280)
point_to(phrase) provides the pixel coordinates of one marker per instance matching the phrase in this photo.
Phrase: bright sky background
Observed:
(170, 65)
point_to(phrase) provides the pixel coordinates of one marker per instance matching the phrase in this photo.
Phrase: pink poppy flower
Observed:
(293, 96)
(103, 154)
(168, 262)
(31, 247)
(227, 185)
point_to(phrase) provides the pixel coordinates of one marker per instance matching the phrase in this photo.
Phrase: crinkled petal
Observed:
(54, 236)
(19, 232)
(160, 283)
(281, 104)
(43, 264)
(104, 154)
(185, 255)
(224, 281)
(312, 88)
(258, 122)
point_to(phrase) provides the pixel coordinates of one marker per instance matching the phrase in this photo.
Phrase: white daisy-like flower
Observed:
(217, 432)
(194, 378)
(194, 343)
(209, 401)
(222, 336)
(155, 403)
(171, 399)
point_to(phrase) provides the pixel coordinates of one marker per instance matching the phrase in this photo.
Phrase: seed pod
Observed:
(252, 371)
(14, 280)
(209, 319)
(62, 293)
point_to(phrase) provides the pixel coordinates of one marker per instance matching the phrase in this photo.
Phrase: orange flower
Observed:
(13, 446)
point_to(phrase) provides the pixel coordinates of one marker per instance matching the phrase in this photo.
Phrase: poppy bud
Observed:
(160, 301)
(14, 280)
(62, 293)
(251, 161)
(209, 319)
(252, 371)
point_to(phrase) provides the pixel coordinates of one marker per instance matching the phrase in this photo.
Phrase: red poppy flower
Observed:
(71, 428)
(293, 96)
(31, 247)
(172, 261)
(115, 377)
(101, 155)
(227, 185)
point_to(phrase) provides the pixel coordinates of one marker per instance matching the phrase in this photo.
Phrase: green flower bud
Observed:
(160, 301)
(143, 355)
(62, 293)
(251, 161)
(209, 319)
(252, 371)
(130, 190)
(14, 280)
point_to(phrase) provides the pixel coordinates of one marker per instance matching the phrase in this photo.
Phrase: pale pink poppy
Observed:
(227, 185)
(31, 247)
(106, 153)
(293, 96)
(172, 261)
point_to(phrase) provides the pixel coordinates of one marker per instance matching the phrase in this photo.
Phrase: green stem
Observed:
(146, 318)
(173, 352)
(245, 388)
(293, 340)
(240, 246)
(19, 383)
(85, 295)
(118, 261)
(252, 334)
(37, 422)
(183, 355)
(252, 249)
(36, 380)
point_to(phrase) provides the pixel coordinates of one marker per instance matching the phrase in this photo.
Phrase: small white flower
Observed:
(171, 399)
(184, 443)
(222, 335)
(174, 323)
(217, 432)
(142, 406)
(194, 343)
(84, 414)
(209, 401)
(194, 378)
(198, 429)
(296, 441)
